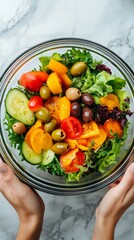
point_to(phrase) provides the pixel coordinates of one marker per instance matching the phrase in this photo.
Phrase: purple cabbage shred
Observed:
(103, 67)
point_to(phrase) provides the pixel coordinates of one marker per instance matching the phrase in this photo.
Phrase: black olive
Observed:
(75, 109)
(87, 115)
(87, 99)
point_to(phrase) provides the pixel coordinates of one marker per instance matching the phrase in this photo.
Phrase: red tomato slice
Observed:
(71, 160)
(33, 80)
(72, 127)
(35, 103)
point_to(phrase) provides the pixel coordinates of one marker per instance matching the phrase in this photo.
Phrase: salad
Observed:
(70, 116)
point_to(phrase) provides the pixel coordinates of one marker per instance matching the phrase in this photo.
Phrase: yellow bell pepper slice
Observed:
(89, 130)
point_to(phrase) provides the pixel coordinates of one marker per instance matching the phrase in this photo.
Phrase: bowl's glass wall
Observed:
(29, 173)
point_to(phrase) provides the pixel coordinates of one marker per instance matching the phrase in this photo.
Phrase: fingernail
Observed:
(3, 167)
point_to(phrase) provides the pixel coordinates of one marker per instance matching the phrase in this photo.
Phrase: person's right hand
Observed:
(113, 205)
(27, 203)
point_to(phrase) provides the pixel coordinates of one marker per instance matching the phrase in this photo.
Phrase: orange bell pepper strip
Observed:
(82, 147)
(89, 130)
(111, 101)
(54, 83)
(97, 141)
(71, 160)
(57, 67)
(38, 124)
(66, 81)
(40, 140)
(112, 127)
(73, 143)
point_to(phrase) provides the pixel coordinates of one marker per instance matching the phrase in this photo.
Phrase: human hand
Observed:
(113, 205)
(27, 203)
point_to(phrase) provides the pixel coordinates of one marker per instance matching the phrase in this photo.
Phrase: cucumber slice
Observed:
(30, 155)
(47, 157)
(17, 107)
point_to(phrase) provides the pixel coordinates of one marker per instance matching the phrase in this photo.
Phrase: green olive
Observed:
(78, 68)
(60, 147)
(58, 135)
(43, 114)
(50, 126)
(45, 92)
(73, 93)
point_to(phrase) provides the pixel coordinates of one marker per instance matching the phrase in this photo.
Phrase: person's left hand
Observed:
(27, 203)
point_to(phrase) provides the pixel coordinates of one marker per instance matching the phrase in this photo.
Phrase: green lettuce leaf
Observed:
(44, 60)
(74, 55)
(75, 177)
(123, 96)
(99, 85)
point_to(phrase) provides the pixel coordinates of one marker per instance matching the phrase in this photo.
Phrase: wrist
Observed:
(30, 227)
(104, 229)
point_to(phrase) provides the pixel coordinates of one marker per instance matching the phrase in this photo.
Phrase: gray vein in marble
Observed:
(19, 13)
(126, 41)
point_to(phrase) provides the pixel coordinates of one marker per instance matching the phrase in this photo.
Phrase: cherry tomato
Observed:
(72, 127)
(112, 127)
(33, 80)
(71, 160)
(35, 103)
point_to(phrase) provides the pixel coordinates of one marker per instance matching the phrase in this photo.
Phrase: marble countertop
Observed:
(24, 23)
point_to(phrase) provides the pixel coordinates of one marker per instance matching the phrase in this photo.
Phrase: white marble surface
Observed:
(24, 23)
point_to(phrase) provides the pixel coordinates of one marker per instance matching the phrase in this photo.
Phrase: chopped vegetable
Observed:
(111, 101)
(17, 107)
(40, 140)
(33, 80)
(54, 83)
(66, 81)
(57, 67)
(112, 127)
(35, 103)
(72, 160)
(89, 130)
(97, 141)
(72, 127)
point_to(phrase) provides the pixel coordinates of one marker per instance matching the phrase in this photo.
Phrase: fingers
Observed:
(6, 175)
(127, 181)
(114, 184)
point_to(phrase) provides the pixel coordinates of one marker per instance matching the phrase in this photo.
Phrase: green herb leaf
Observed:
(16, 140)
(53, 168)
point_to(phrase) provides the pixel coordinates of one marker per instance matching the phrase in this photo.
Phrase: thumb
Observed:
(6, 176)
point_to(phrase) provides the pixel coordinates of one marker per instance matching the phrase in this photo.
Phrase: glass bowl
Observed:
(30, 174)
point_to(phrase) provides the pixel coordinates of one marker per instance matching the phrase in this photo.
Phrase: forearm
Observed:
(30, 229)
(103, 230)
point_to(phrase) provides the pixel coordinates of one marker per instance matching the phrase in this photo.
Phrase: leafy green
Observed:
(98, 85)
(100, 88)
(124, 99)
(28, 93)
(76, 55)
(117, 83)
(84, 81)
(71, 177)
(107, 154)
(54, 167)
(44, 60)
(110, 158)
(16, 140)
